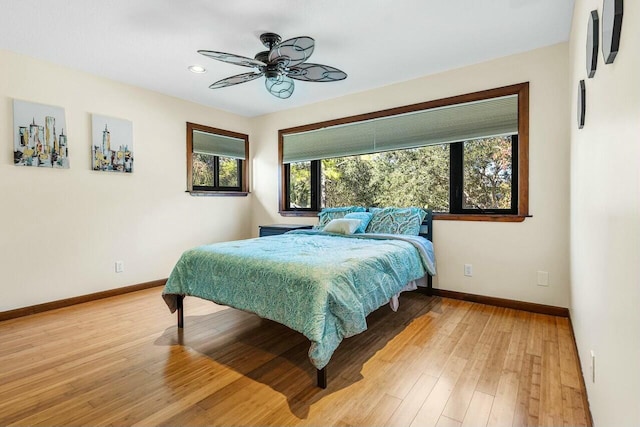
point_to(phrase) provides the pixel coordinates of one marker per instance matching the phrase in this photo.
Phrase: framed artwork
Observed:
(38, 135)
(581, 104)
(111, 144)
(611, 27)
(592, 43)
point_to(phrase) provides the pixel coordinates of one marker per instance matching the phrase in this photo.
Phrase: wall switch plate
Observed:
(468, 270)
(543, 278)
(119, 266)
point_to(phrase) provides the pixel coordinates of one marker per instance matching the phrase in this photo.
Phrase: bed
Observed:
(320, 283)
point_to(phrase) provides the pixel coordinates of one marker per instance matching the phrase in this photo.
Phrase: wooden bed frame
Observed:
(426, 231)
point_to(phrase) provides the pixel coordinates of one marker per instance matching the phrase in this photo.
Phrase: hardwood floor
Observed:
(436, 362)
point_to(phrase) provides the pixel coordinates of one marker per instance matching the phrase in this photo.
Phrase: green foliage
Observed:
(412, 177)
(228, 172)
(415, 177)
(203, 169)
(487, 173)
(300, 184)
(348, 181)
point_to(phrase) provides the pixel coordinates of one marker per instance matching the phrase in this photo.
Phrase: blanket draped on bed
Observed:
(319, 284)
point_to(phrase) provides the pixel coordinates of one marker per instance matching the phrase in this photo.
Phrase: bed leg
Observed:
(322, 377)
(429, 285)
(180, 311)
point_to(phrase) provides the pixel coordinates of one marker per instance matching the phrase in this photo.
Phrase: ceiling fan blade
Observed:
(234, 80)
(280, 87)
(316, 73)
(293, 51)
(232, 59)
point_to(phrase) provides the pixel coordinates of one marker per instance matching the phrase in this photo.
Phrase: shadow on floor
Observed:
(274, 355)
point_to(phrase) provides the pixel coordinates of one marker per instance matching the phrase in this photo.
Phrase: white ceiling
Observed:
(150, 43)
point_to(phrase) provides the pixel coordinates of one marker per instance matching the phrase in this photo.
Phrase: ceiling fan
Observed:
(283, 62)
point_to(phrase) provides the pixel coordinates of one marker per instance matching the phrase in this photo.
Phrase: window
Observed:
(488, 183)
(389, 179)
(463, 157)
(300, 183)
(216, 161)
(482, 176)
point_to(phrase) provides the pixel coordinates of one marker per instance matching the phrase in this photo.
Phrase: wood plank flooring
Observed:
(436, 362)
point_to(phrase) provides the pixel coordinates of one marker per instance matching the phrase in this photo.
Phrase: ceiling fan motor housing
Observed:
(271, 70)
(262, 56)
(269, 40)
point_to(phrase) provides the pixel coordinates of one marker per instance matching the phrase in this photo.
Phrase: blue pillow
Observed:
(327, 214)
(396, 220)
(364, 217)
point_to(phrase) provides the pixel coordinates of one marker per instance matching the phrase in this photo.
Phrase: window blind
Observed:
(452, 123)
(218, 145)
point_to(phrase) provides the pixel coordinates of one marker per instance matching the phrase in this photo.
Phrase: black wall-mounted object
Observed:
(581, 104)
(611, 27)
(592, 43)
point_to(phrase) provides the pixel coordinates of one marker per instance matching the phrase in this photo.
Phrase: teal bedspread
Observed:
(319, 284)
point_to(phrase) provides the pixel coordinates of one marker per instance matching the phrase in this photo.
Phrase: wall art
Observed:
(111, 144)
(611, 28)
(592, 43)
(39, 137)
(581, 104)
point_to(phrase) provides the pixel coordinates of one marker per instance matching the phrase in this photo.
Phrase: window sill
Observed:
(298, 213)
(436, 216)
(476, 217)
(217, 193)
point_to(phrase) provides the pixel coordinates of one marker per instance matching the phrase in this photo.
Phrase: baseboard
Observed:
(26, 311)
(501, 302)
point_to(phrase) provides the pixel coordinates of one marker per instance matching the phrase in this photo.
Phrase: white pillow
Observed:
(342, 226)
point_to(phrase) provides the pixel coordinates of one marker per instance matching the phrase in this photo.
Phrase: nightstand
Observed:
(275, 229)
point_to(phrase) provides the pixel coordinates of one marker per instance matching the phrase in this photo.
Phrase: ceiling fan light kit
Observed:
(197, 69)
(280, 65)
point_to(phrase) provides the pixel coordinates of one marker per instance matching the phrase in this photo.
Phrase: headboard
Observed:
(426, 229)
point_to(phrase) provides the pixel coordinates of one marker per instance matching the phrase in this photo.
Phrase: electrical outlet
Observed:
(468, 270)
(543, 278)
(593, 366)
(119, 266)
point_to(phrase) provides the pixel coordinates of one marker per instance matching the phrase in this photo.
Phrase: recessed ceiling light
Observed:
(197, 69)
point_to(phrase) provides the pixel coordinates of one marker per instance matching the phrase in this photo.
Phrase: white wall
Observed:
(605, 220)
(62, 230)
(505, 256)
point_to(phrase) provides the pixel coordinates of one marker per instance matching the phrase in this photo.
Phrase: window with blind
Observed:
(461, 156)
(216, 161)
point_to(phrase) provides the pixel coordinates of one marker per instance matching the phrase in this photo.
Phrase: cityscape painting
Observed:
(112, 144)
(39, 138)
